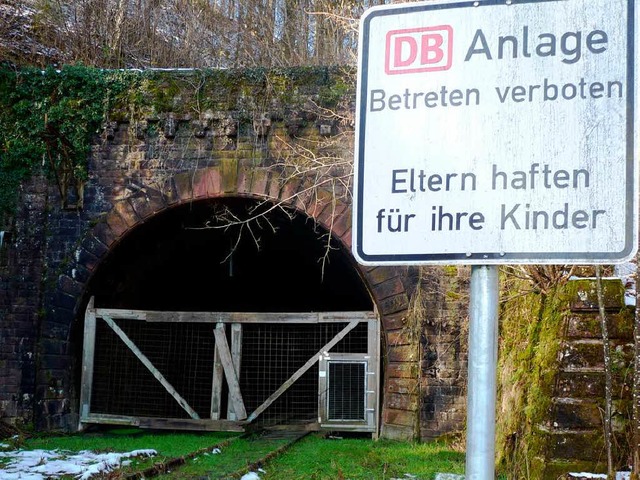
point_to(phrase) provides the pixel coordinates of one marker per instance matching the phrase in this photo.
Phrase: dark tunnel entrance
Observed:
(275, 263)
(275, 276)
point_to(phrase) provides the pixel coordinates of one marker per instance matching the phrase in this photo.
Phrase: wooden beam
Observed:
(235, 317)
(236, 357)
(147, 363)
(218, 378)
(230, 374)
(88, 354)
(164, 423)
(283, 388)
(121, 314)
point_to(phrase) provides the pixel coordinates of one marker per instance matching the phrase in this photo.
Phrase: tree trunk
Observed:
(607, 374)
(635, 441)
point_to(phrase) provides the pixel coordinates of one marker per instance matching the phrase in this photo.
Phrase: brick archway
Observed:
(401, 400)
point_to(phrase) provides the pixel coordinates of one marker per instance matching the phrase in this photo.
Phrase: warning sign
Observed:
(496, 132)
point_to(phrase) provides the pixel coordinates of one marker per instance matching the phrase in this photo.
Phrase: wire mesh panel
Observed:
(182, 352)
(347, 386)
(271, 353)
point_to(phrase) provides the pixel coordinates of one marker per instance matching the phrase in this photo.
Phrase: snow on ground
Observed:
(45, 464)
(586, 475)
(627, 273)
(250, 476)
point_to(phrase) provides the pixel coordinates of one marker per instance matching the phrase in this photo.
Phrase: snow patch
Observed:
(627, 274)
(250, 476)
(587, 475)
(45, 464)
(449, 476)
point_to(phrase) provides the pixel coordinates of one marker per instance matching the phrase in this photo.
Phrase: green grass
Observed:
(316, 458)
(312, 458)
(168, 444)
(233, 458)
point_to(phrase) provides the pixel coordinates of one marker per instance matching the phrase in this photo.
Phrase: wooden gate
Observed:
(226, 370)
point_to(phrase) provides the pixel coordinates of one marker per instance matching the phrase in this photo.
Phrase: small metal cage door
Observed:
(346, 398)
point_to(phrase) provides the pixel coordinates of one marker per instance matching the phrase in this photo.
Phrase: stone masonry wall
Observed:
(163, 152)
(575, 427)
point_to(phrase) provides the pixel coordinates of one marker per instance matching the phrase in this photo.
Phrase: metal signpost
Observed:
(495, 132)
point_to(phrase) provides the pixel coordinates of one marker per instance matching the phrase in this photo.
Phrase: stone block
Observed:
(53, 346)
(401, 370)
(398, 432)
(329, 216)
(259, 181)
(346, 238)
(86, 259)
(70, 286)
(378, 275)
(289, 191)
(399, 417)
(321, 201)
(229, 173)
(399, 337)
(395, 321)
(80, 273)
(183, 185)
(104, 234)
(588, 354)
(62, 300)
(404, 353)
(203, 184)
(575, 414)
(401, 386)
(149, 204)
(126, 212)
(584, 295)
(591, 385)
(342, 223)
(587, 325)
(389, 288)
(582, 445)
(116, 223)
(394, 304)
(245, 175)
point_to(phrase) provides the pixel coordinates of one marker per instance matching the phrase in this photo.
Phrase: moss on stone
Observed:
(531, 327)
(583, 293)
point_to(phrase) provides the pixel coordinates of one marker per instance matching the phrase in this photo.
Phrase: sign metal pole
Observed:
(483, 357)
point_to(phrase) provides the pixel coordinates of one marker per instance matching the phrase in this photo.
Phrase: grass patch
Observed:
(316, 458)
(237, 456)
(168, 444)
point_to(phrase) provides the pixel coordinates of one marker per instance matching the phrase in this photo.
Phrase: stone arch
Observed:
(400, 408)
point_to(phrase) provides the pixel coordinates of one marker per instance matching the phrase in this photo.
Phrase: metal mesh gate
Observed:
(169, 369)
(347, 387)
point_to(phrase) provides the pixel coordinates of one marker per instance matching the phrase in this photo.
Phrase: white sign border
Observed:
(493, 258)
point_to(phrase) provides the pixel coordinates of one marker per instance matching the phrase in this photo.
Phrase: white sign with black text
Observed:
(496, 132)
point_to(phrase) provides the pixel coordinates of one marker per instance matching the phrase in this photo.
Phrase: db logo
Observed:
(416, 50)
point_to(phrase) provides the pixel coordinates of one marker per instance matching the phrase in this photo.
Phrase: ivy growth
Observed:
(50, 118)
(47, 121)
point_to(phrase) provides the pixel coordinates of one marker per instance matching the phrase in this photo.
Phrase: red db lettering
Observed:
(407, 45)
(415, 50)
(432, 49)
